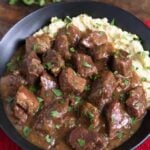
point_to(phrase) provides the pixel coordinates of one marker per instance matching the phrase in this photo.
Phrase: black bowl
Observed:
(39, 18)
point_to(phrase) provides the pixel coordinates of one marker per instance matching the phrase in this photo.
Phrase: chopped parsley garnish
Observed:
(54, 113)
(133, 120)
(48, 65)
(120, 135)
(40, 100)
(67, 20)
(77, 99)
(57, 92)
(26, 131)
(72, 49)
(18, 58)
(57, 126)
(90, 115)
(86, 64)
(69, 108)
(35, 47)
(81, 142)
(9, 66)
(126, 82)
(113, 21)
(143, 79)
(33, 88)
(91, 127)
(87, 87)
(9, 99)
(49, 139)
(122, 97)
(94, 77)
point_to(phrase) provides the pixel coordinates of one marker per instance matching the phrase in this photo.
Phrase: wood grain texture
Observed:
(9, 15)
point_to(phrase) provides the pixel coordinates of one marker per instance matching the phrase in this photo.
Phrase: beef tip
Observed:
(82, 139)
(48, 83)
(62, 45)
(26, 100)
(9, 85)
(92, 114)
(93, 39)
(117, 119)
(136, 103)
(84, 64)
(102, 90)
(70, 82)
(50, 116)
(73, 34)
(103, 51)
(39, 44)
(122, 63)
(101, 65)
(53, 61)
(20, 114)
(31, 67)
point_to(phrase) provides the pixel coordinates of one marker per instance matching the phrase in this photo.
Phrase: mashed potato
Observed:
(121, 40)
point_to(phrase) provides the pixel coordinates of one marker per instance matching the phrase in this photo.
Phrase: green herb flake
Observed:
(40, 100)
(9, 99)
(72, 49)
(143, 79)
(122, 97)
(33, 88)
(87, 88)
(9, 66)
(90, 115)
(126, 82)
(133, 120)
(77, 99)
(56, 1)
(18, 58)
(81, 142)
(120, 135)
(26, 131)
(48, 65)
(57, 92)
(86, 64)
(54, 114)
(35, 47)
(113, 21)
(70, 108)
(67, 20)
(91, 127)
(49, 139)
(57, 126)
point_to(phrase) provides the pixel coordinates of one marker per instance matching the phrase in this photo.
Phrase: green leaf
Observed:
(67, 20)
(77, 99)
(40, 100)
(54, 113)
(18, 58)
(33, 88)
(9, 66)
(49, 139)
(87, 88)
(122, 97)
(120, 135)
(81, 142)
(70, 108)
(113, 21)
(90, 115)
(57, 92)
(91, 127)
(57, 126)
(126, 82)
(72, 49)
(143, 79)
(35, 47)
(48, 65)
(26, 131)
(12, 2)
(133, 120)
(86, 64)
(28, 2)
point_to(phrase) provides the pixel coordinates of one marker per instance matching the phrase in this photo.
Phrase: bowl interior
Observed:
(36, 20)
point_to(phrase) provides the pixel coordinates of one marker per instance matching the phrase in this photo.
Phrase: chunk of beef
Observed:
(82, 139)
(70, 82)
(101, 65)
(103, 51)
(50, 116)
(93, 39)
(73, 34)
(26, 100)
(9, 85)
(62, 45)
(92, 114)
(39, 44)
(31, 67)
(84, 64)
(122, 63)
(19, 114)
(54, 62)
(48, 83)
(117, 119)
(136, 103)
(102, 90)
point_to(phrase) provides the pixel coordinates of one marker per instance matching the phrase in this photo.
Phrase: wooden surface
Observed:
(9, 15)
